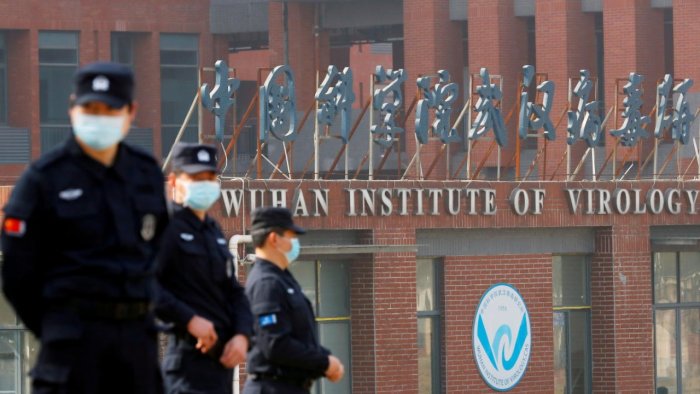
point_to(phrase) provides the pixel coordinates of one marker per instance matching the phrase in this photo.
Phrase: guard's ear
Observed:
(133, 107)
(171, 179)
(272, 237)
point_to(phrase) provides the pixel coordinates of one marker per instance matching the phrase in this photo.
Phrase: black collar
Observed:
(121, 165)
(190, 218)
(268, 265)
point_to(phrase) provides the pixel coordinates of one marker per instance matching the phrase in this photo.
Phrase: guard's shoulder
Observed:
(26, 195)
(261, 276)
(139, 153)
(264, 286)
(143, 163)
(50, 158)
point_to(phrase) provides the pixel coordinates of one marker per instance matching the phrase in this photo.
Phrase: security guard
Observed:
(286, 356)
(79, 239)
(200, 295)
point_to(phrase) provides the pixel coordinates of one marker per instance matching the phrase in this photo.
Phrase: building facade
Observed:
(597, 245)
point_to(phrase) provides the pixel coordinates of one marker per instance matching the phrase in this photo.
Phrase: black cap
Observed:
(193, 158)
(109, 83)
(267, 218)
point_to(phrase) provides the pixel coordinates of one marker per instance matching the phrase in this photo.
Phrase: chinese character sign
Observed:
(439, 98)
(633, 126)
(386, 129)
(277, 108)
(682, 117)
(535, 116)
(663, 91)
(584, 122)
(335, 95)
(221, 97)
(488, 115)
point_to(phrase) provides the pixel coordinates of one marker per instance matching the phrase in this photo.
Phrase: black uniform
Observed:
(79, 243)
(196, 273)
(286, 356)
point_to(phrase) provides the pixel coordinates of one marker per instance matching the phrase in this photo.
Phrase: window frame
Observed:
(57, 65)
(22, 380)
(191, 131)
(566, 311)
(678, 307)
(435, 316)
(118, 36)
(345, 319)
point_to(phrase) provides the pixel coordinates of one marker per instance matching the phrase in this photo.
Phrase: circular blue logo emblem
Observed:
(501, 337)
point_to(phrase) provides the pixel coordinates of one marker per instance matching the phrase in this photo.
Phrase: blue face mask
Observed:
(98, 131)
(294, 252)
(201, 195)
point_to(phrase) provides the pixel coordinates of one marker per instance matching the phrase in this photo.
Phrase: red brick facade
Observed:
(95, 21)
(620, 285)
(466, 279)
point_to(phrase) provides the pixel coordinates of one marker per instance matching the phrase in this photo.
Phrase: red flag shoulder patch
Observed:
(14, 227)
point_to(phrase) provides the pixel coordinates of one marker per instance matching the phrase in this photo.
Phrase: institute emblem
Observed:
(148, 227)
(501, 337)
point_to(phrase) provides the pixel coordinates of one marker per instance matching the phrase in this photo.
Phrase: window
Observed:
(3, 80)
(572, 324)
(18, 351)
(179, 78)
(123, 48)
(326, 285)
(428, 280)
(58, 60)
(677, 321)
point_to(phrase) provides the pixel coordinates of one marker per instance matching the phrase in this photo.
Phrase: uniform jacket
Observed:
(286, 340)
(196, 275)
(75, 229)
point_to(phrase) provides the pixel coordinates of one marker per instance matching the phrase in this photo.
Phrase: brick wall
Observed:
(95, 21)
(633, 34)
(498, 41)
(565, 38)
(395, 342)
(633, 315)
(363, 63)
(306, 53)
(603, 312)
(432, 42)
(466, 279)
(686, 54)
(362, 326)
